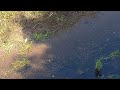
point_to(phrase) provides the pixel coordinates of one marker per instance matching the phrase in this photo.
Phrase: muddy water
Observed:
(72, 54)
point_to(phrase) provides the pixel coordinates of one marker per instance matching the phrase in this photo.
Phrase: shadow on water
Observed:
(73, 54)
(98, 74)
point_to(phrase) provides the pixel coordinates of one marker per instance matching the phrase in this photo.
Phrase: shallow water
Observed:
(73, 54)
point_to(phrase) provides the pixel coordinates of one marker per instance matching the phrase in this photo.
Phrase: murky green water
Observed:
(74, 53)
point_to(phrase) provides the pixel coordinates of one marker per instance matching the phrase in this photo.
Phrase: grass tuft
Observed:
(20, 63)
(24, 47)
(42, 36)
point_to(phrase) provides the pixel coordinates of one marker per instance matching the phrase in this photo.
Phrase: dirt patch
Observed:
(6, 70)
(34, 56)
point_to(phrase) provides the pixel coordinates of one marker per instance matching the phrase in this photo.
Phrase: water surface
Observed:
(73, 54)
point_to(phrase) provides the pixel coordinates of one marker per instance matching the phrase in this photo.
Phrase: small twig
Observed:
(35, 25)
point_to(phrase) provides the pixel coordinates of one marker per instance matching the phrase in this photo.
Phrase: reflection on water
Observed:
(74, 53)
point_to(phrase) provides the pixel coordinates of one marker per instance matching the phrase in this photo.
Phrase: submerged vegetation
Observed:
(99, 62)
(98, 65)
(114, 54)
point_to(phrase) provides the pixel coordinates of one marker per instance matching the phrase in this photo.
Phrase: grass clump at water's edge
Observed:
(42, 36)
(20, 63)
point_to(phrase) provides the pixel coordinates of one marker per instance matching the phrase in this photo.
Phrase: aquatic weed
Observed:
(99, 62)
(114, 54)
(98, 65)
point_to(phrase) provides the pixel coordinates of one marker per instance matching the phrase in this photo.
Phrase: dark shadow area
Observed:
(98, 74)
(53, 21)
